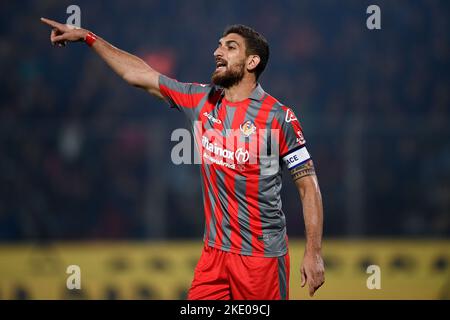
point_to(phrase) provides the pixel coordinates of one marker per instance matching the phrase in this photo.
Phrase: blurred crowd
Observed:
(84, 156)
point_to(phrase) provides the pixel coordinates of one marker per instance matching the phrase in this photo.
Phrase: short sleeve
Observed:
(186, 97)
(292, 143)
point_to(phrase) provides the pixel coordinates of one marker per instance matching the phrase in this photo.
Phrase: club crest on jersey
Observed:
(290, 116)
(248, 128)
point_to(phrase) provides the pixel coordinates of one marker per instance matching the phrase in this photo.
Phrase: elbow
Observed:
(144, 79)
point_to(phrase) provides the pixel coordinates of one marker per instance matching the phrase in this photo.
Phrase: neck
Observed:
(240, 91)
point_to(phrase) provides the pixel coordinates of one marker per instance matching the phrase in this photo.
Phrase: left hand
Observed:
(312, 271)
(62, 33)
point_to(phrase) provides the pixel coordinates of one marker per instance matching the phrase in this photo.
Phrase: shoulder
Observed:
(281, 112)
(186, 87)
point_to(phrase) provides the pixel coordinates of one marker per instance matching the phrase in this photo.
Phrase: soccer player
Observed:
(239, 130)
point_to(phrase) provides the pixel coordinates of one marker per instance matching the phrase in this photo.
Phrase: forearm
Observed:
(129, 67)
(313, 217)
(312, 214)
(126, 65)
(312, 268)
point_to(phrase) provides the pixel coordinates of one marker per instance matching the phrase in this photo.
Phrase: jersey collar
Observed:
(258, 93)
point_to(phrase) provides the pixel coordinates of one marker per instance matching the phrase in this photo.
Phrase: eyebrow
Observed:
(228, 42)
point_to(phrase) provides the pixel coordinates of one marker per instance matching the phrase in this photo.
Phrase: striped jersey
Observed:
(242, 147)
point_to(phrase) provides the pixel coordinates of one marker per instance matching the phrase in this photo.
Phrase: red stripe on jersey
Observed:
(218, 210)
(207, 107)
(232, 209)
(284, 148)
(186, 100)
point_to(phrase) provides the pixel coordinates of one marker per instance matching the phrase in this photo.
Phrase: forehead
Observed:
(233, 37)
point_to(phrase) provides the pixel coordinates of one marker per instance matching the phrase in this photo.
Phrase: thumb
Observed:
(302, 271)
(62, 37)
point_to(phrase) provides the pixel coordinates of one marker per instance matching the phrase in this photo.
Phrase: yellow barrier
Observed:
(164, 270)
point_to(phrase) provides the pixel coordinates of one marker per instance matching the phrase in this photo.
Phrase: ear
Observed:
(252, 62)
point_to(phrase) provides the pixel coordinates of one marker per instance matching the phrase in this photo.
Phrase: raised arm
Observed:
(129, 67)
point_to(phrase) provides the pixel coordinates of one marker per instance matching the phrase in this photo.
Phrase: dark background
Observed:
(85, 156)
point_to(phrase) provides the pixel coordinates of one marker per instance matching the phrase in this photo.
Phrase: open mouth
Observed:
(221, 65)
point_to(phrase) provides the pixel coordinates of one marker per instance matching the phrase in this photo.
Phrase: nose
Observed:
(218, 53)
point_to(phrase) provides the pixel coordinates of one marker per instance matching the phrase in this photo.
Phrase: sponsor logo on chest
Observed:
(212, 118)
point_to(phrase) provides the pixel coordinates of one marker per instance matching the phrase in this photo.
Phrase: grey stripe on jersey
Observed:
(282, 278)
(223, 198)
(212, 221)
(184, 87)
(243, 215)
(272, 217)
(241, 188)
(229, 116)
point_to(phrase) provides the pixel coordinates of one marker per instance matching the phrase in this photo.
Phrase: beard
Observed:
(230, 77)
